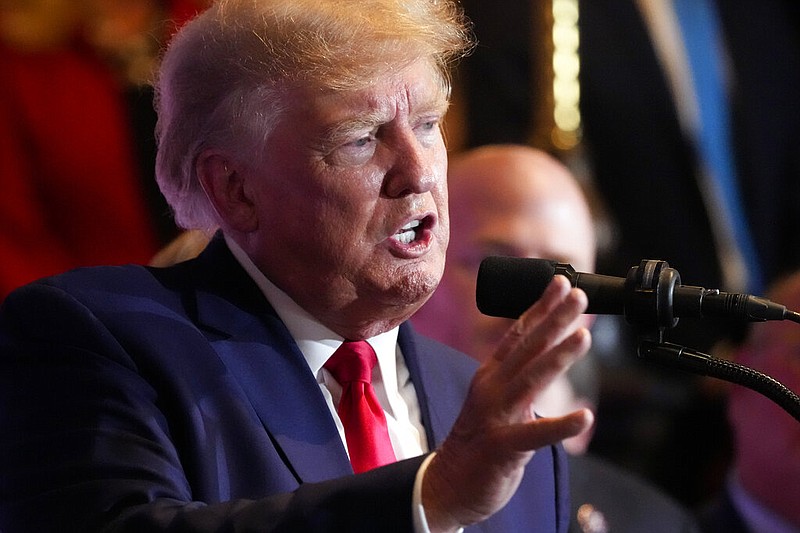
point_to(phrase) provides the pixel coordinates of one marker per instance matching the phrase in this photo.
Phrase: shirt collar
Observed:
(316, 341)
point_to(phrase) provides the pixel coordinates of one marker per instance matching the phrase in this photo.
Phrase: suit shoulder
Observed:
(86, 280)
(99, 292)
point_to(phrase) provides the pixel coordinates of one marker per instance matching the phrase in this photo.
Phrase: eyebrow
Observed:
(349, 127)
(376, 117)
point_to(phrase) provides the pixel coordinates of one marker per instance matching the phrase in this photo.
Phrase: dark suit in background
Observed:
(655, 421)
(645, 167)
(642, 164)
(178, 399)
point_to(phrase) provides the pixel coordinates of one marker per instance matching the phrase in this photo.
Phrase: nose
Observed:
(413, 169)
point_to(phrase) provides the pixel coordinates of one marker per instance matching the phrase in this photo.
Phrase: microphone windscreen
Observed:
(507, 286)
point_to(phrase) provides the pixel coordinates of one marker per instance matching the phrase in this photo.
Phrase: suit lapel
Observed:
(258, 350)
(440, 376)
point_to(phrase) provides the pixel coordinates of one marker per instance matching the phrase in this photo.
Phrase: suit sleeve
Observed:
(86, 444)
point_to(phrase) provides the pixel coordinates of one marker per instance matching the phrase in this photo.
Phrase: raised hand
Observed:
(479, 466)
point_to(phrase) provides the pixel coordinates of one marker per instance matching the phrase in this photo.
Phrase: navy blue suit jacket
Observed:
(645, 167)
(139, 399)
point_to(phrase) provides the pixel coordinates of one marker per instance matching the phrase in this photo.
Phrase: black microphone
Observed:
(651, 294)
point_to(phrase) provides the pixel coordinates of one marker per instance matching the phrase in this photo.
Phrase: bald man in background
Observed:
(505, 200)
(514, 200)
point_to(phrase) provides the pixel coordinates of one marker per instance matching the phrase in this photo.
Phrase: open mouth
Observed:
(413, 230)
(408, 233)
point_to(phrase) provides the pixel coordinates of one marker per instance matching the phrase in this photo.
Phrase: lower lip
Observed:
(416, 248)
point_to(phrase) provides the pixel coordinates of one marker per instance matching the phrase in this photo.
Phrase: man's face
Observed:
(351, 200)
(500, 210)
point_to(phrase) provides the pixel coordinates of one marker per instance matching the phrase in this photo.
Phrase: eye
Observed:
(353, 152)
(361, 142)
(430, 125)
(427, 130)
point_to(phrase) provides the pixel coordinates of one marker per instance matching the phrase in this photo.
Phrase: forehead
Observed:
(514, 217)
(413, 89)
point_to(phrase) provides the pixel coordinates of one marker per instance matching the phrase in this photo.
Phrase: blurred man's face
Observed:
(502, 209)
(352, 200)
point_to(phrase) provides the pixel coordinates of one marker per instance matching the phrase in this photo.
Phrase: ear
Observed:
(224, 186)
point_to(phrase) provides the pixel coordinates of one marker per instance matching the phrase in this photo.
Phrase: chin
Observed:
(414, 289)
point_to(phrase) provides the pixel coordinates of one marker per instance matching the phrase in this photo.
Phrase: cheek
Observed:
(444, 225)
(441, 193)
(295, 217)
(333, 232)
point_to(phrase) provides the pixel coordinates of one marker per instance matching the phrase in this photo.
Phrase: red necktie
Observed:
(361, 413)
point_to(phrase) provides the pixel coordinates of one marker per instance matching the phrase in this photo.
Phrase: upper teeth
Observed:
(406, 233)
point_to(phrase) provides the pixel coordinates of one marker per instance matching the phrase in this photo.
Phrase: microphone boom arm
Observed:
(655, 314)
(651, 298)
(682, 358)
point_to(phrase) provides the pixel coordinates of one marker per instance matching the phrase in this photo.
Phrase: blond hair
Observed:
(222, 77)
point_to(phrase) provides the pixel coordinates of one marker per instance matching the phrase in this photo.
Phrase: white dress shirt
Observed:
(392, 382)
